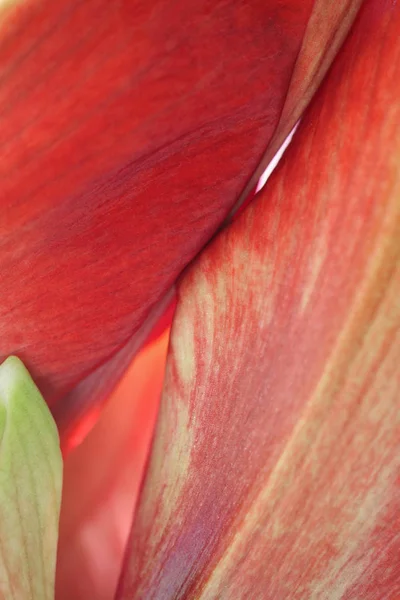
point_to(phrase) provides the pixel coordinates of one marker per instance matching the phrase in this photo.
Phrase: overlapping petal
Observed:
(275, 468)
(128, 129)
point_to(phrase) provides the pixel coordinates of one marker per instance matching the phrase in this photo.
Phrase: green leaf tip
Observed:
(30, 487)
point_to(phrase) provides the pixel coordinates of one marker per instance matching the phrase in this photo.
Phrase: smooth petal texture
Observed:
(101, 482)
(128, 131)
(276, 463)
(30, 488)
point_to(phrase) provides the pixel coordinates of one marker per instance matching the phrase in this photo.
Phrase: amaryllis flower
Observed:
(134, 135)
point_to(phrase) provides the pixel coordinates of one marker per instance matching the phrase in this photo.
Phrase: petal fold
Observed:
(327, 28)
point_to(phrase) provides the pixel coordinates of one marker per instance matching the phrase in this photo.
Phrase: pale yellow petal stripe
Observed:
(30, 488)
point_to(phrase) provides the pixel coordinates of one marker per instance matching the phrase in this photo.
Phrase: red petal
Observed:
(275, 469)
(128, 130)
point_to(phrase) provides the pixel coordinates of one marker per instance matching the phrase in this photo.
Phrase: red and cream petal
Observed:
(276, 464)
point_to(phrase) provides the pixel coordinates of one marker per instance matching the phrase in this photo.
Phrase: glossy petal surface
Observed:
(275, 469)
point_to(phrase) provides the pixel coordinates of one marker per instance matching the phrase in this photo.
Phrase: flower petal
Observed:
(275, 468)
(128, 131)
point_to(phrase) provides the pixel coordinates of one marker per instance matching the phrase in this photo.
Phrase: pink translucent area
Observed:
(102, 478)
(275, 161)
(265, 175)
